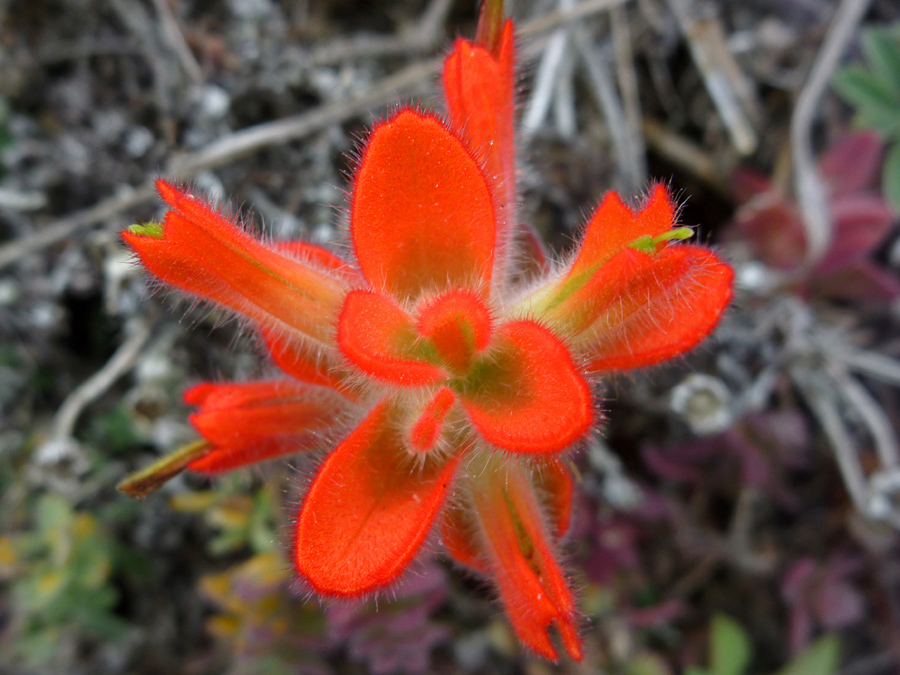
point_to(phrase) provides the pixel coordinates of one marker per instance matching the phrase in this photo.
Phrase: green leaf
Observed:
(882, 50)
(729, 647)
(890, 178)
(820, 658)
(875, 102)
(647, 664)
(52, 515)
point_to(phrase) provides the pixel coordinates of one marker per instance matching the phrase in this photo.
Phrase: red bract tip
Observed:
(378, 338)
(478, 84)
(614, 226)
(458, 325)
(555, 481)
(657, 306)
(519, 556)
(527, 395)
(249, 423)
(198, 250)
(368, 510)
(421, 218)
(427, 429)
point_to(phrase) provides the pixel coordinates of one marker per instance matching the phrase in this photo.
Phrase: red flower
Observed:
(466, 385)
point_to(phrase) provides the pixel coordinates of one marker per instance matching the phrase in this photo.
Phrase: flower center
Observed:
(458, 326)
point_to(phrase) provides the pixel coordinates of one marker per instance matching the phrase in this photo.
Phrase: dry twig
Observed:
(97, 384)
(810, 192)
(726, 83)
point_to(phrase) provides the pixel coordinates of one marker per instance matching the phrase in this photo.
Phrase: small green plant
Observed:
(242, 521)
(60, 573)
(873, 91)
(731, 653)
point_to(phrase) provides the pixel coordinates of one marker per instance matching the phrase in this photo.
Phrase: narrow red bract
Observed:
(452, 377)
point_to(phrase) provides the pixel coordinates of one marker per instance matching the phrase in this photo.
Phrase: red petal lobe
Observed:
(421, 218)
(203, 253)
(252, 422)
(427, 429)
(377, 336)
(526, 394)
(458, 325)
(531, 584)
(368, 511)
(614, 226)
(478, 86)
(655, 306)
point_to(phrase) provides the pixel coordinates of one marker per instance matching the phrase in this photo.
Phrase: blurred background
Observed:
(739, 513)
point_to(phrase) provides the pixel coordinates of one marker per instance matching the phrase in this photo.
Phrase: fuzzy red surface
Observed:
(658, 305)
(203, 253)
(315, 366)
(614, 226)
(255, 421)
(368, 510)
(531, 397)
(554, 479)
(457, 535)
(427, 429)
(531, 584)
(458, 324)
(376, 336)
(478, 86)
(421, 217)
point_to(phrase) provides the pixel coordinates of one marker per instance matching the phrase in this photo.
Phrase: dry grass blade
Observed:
(724, 80)
(810, 191)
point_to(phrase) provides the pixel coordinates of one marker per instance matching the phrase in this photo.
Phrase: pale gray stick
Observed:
(811, 194)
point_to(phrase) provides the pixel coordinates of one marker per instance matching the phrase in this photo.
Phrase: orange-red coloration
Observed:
(555, 481)
(427, 429)
(458, 325)
(614, 226)
(368, 510)
(663, 305)
(478, 84)
(470, 357)
(377, 336)
(457, 535)
(250, 423)
(235, 269)
(516, 546)
(532, 398)
(421, 217)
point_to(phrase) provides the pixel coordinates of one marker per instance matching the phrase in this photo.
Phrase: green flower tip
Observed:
(648, 244)
(149, 229)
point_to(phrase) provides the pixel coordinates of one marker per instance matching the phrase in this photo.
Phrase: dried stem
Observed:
(810, 191)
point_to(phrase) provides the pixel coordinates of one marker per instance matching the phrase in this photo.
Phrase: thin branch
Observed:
(173, 35)
(838, 435)
(683, 153)
(875, 365)
(724, 80)
(582, 10)
(423, 36)
(613, 112)
(873, 415)
(808, 184)
(98, 383)
(546, 80)
(628, 86)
